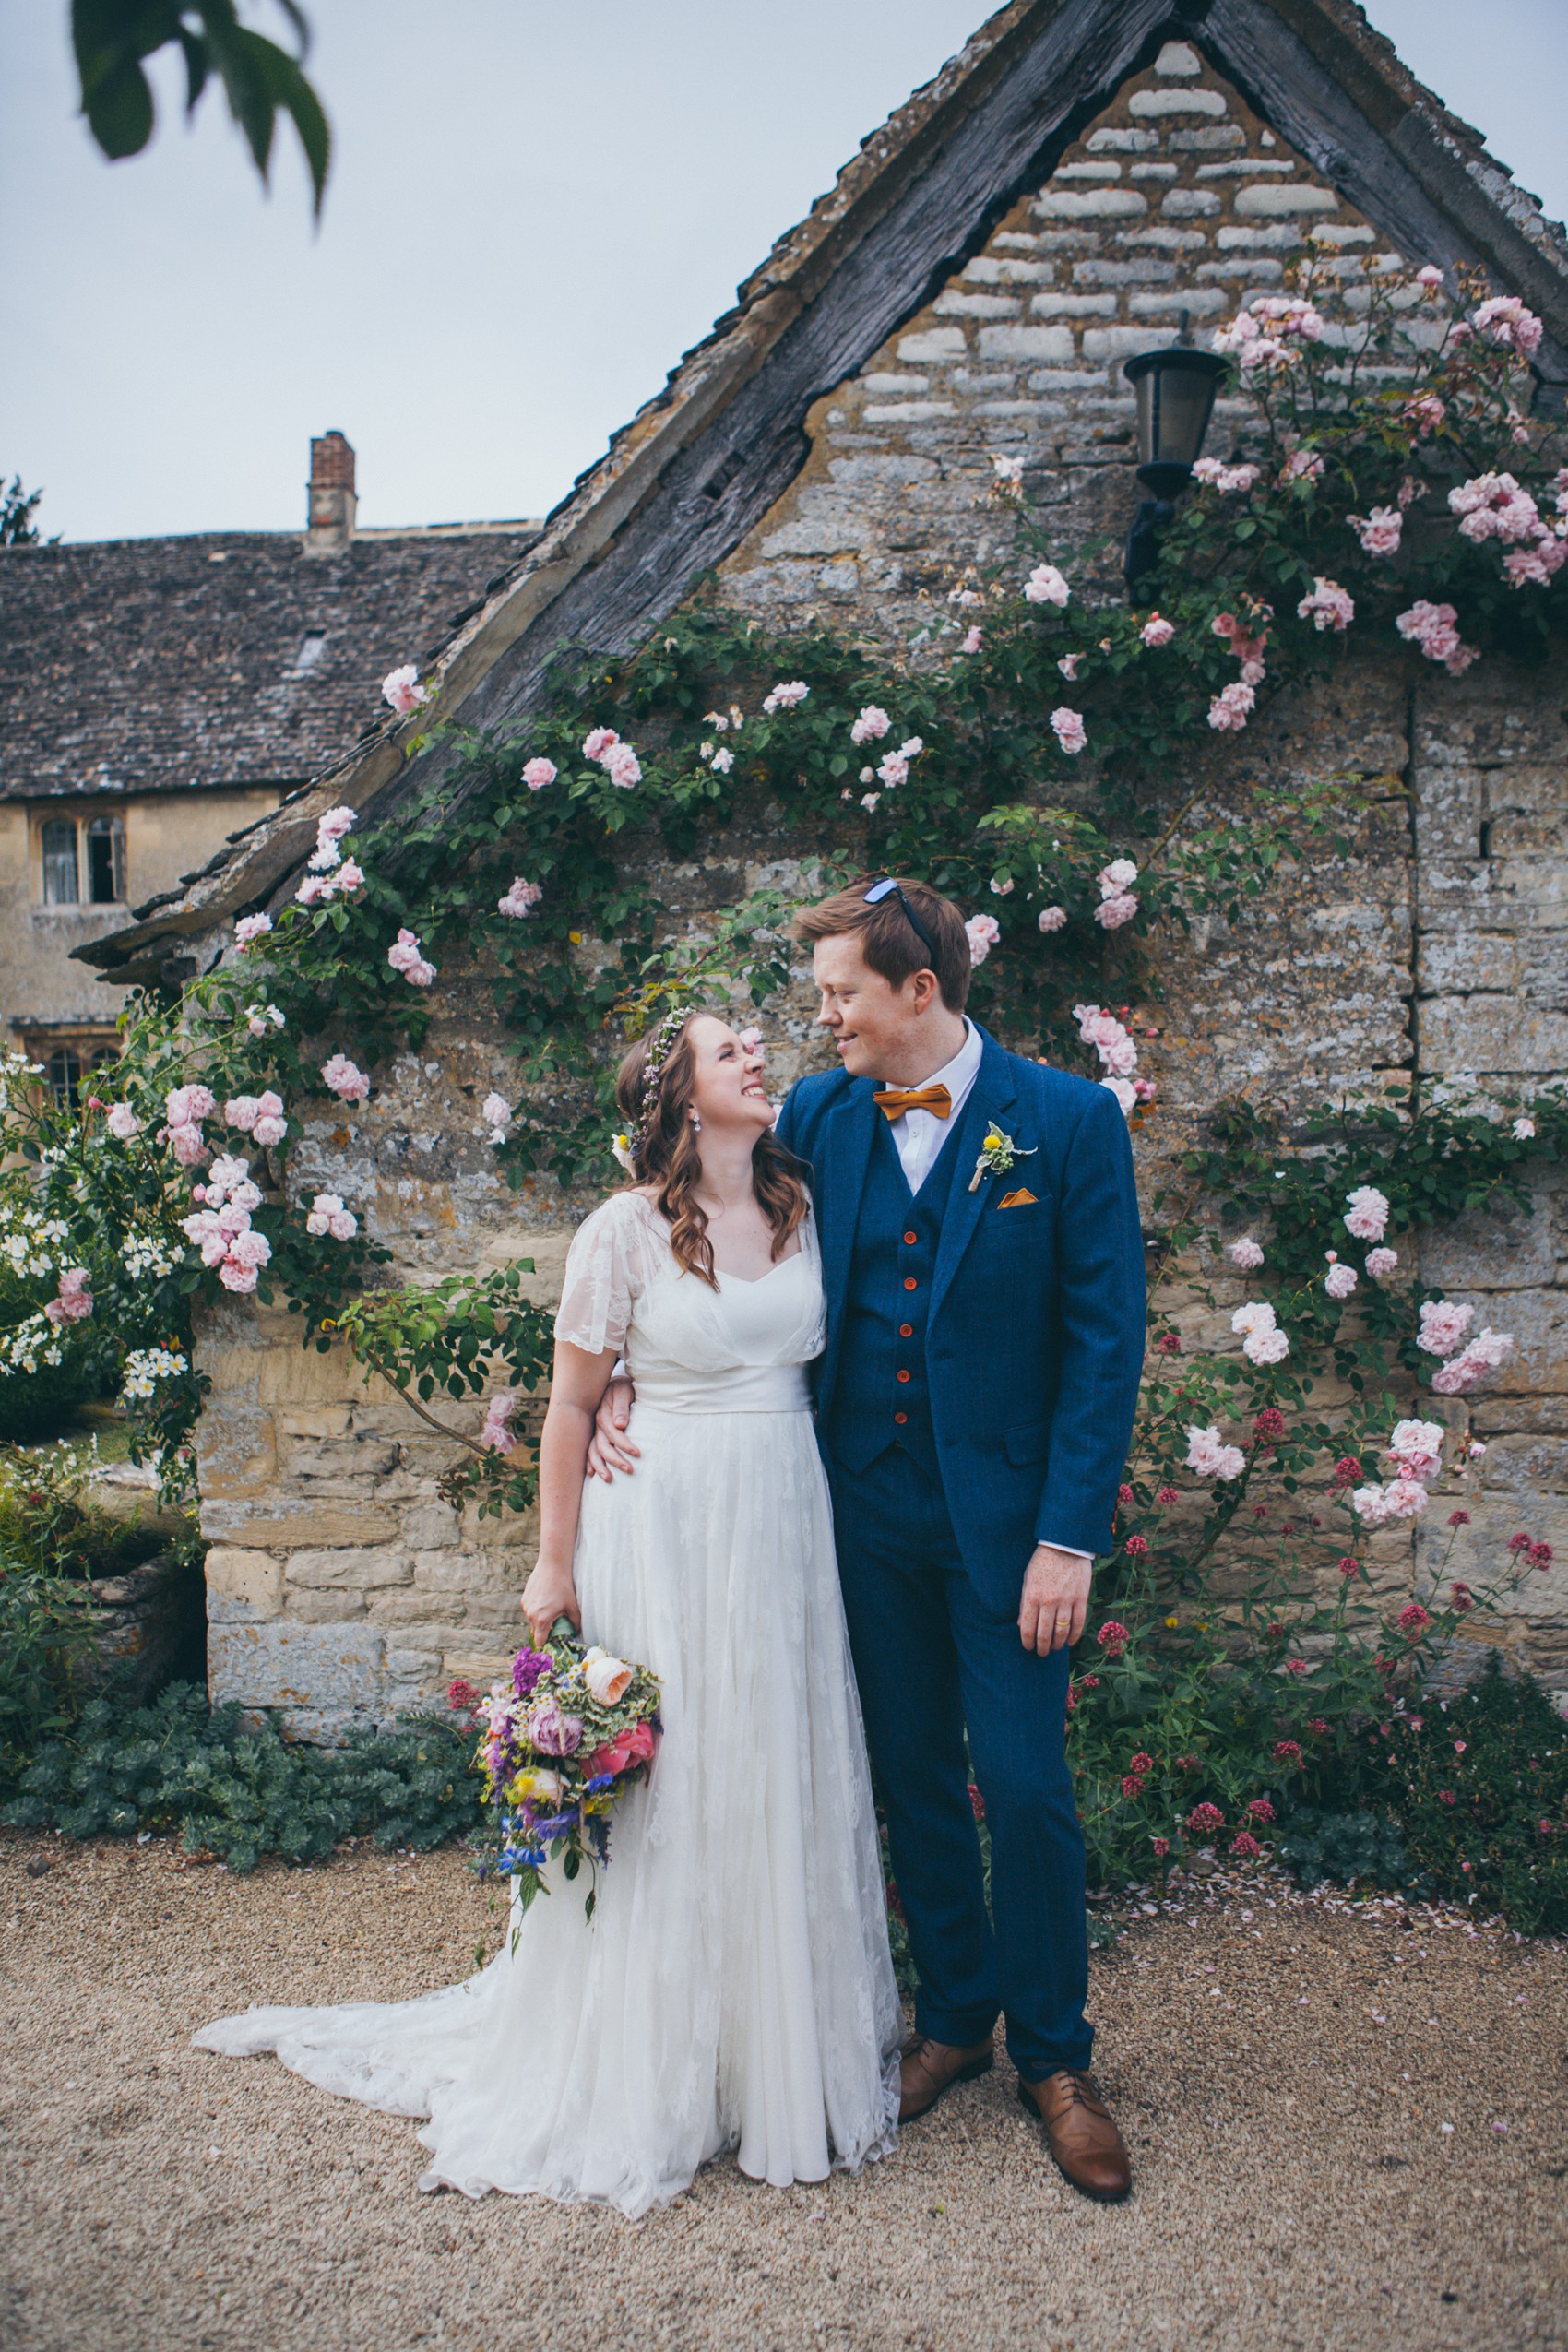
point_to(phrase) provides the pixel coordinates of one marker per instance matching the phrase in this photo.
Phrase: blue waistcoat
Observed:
(883, 1394)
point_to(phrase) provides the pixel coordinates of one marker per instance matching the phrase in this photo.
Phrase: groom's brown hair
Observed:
(891, 944)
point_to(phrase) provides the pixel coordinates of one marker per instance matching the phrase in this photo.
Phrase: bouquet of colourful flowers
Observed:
(563, 1742)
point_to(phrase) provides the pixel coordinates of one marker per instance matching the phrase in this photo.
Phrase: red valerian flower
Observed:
(1131, 1786)
(1113, 1638)
(1161, 1847)
(1137, 1545)
(1347, 1471)
(1414, 1620)
(1188, 1763)
(1167, 1494)
(1088, 1682)
(1317, 1725)
(976, 1802)
(1297, 1665)
(1205, 1819)
(1460, 1596)
(1288, 1752)
(1140, 1762)
(1521, 1542)
(1168, 1343)
(1124, 1494)
(1268, 1427)
(1348, 1567)
(1539, 1555)
(1261, 1810)
(1446, 1797)
(462, 1696)
(1459, 1518)
(1245, 1846)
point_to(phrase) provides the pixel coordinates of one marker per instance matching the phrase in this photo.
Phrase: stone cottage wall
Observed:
(340, 1585)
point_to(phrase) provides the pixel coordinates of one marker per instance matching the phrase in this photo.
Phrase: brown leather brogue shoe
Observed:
(928, 2070)
(1084, 2142)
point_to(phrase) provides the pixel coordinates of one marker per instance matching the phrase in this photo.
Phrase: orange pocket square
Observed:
(1020, 1199)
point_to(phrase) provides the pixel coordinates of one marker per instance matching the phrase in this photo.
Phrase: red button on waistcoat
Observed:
(909, 1282)
(900, 1419)
(911, 1236)
(903, 1375)
(906, 1331)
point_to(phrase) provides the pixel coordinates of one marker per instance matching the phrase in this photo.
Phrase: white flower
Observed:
(496, 1112)
(723, 762)
(607, 1678)
(1246, 1253)
(1211, 1458)
(1524, 1127)
(1368, 1214)
(1339, 1281)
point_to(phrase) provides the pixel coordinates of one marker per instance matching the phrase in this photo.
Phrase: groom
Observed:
(983, 1264)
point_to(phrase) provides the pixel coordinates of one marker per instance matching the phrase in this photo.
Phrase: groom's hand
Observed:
(609, 1449)
(1055, 1601)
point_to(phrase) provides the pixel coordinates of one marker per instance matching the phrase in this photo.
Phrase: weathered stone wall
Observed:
(340, 1585)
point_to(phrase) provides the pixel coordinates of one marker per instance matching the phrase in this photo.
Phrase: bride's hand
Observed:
(549, 1594)
(609, 1449)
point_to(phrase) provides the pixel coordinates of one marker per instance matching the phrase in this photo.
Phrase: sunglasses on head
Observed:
(889, 888)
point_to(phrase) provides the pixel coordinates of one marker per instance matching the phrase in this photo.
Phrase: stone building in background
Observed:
(1083, 174)
(160, 696)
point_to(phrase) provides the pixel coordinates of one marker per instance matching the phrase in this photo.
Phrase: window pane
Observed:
(63, 1071)
(105, 860)
(60, 862)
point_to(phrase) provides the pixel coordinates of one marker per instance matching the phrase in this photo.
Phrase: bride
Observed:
(734, 1990)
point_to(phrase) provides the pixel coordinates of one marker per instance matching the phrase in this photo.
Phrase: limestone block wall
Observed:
(1176, 199)
(341, 1586)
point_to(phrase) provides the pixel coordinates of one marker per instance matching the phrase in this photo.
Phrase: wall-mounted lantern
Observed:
(1175, 391)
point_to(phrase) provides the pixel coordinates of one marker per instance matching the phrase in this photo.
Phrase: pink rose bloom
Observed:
(234, 1275)
(342, 1078)
(1211, 1458)
(498, 1413)
(751, 1040)
(1068, 665)
(122, 1122)
(1067, 726)
(1046, 585)
(1443, 1323)
(620, 1754)
(1505, 322)
(401, 688)
(1052, 918)
(250, 928)
(1126, 1094)
(1228, 712)
(786, 695)
(204, 1230)
(894, 769)
(1495, 506)
(1119, 909)
(1429, 276)
(1119, 875)
(271, 1122)
(1265, 1345)
(972, 641)
(597, 741)
(188, 1144)
(73, 1303)
(622, 766)
(1245, 1253)
(335, 822)
(1328, 607)
(1157, 631)
(496, 1112)
(1435, 628)
(1426, 412)
(521, 899)
(722, 762)
(328, 1215)
(404, 956)
(1366, 1213)
(187, 1106)
(871, 725)
(241, 1112)
(250, 1249)
(1301, 465)
(1381, 1263)
(1379, 531)
(982, 932)
(1339, 1281)
(1537, 566)
(1483, 1354)
(1416, 1448)
(538, 773)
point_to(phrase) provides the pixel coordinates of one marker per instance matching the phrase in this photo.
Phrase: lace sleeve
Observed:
(605, 1272)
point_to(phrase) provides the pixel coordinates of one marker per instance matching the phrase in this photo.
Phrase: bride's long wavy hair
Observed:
(667, 1157)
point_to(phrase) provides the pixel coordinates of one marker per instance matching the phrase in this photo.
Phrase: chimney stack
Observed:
(330, 528)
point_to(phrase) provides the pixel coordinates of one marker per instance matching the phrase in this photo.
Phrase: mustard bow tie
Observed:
(892, 1101)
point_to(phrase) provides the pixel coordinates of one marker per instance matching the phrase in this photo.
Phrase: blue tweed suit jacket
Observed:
(1035, 1338)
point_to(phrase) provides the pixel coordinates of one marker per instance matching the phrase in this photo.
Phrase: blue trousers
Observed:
(932, 1658)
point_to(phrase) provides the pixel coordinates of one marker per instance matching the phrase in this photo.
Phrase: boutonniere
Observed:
(997, 1155)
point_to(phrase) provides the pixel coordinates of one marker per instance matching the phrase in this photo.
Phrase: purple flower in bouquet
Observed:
(529, 1667)
(552, 1733)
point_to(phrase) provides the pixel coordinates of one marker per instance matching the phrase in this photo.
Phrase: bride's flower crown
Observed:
(624, 1147)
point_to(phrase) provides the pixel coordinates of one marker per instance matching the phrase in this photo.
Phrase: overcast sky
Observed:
(533, 211)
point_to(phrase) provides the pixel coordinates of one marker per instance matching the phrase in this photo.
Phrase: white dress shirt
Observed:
(919, 1135)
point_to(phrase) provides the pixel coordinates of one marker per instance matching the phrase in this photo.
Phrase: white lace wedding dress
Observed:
(734, 1988)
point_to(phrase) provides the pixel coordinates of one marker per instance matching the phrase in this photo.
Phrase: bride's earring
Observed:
(696, 1121)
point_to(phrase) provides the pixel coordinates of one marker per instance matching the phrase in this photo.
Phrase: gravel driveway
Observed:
(1284, 2068)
